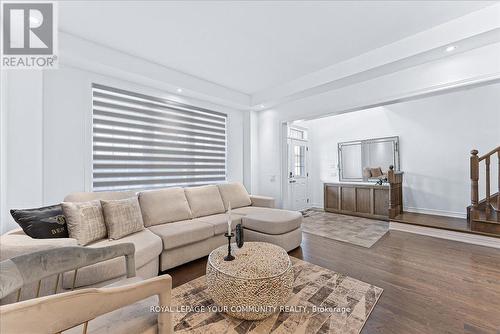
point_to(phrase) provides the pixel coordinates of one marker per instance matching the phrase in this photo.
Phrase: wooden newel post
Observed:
(474, 177)
(498, 196)
(488, 194)
(395, 180)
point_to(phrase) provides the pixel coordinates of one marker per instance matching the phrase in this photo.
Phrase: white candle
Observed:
(229, 219)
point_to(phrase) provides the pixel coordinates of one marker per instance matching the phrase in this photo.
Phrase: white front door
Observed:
(298, 174)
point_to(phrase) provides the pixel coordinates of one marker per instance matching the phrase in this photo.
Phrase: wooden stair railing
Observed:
(474, 176)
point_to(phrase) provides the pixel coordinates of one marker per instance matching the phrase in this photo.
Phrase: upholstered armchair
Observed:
(123, 307)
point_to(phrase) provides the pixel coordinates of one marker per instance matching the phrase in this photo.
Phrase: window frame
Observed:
(155, 98)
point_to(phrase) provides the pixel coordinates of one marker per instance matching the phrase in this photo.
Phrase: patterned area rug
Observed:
(355, 230)
(322, 301)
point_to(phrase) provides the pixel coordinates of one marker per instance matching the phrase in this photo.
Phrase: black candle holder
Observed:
(228, 257)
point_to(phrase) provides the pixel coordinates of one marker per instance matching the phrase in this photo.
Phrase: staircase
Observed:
(484, 215)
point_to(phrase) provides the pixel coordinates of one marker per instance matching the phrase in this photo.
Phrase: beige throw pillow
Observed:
(85, 221)
(122, 217)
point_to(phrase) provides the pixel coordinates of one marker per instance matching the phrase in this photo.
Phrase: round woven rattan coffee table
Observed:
(255, 284)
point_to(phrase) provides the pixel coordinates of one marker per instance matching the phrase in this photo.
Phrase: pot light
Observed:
(179, 90)
(451, 48)
(262, 106)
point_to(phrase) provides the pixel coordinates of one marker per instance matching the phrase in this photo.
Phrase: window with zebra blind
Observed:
(145, 142)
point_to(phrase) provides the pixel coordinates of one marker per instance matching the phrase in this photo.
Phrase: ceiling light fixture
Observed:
(179, 90)
(262, 106)
(451, 48)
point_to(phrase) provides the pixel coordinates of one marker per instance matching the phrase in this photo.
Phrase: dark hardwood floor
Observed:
(430, 285)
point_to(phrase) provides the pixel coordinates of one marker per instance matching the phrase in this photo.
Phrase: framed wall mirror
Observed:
(367, 160)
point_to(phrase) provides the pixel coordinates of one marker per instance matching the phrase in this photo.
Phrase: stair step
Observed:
(441, 222)
(487, 215)
(486, 226)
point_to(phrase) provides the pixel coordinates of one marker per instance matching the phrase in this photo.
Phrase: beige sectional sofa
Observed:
(181, 225)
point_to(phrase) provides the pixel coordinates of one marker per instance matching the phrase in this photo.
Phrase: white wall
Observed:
(22, 142)
(67, 132)
(47, 142)
(436, 135)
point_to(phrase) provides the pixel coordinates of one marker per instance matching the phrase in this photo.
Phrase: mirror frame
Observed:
(363, 143)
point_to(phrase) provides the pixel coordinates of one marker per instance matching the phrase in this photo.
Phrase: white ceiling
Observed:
(252, 46)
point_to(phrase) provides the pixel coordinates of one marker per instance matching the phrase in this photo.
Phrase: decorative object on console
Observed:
(85, 221)
(260, 276)
(122, 217)
(376, 172)
(42, 223)
(239, 235)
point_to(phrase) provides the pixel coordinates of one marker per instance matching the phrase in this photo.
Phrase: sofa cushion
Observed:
(164, 206)
(219, 222)
(234, 193)
(273, 222)
(148, 247)
(122, 217)
(182, 233)
(254, 209)
(85, 221)
(204, 200)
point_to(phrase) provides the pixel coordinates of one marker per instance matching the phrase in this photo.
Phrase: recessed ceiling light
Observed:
(451, 48)
(262, 106)
(179, 90)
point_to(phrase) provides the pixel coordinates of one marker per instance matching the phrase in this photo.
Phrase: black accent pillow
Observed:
(42, 223)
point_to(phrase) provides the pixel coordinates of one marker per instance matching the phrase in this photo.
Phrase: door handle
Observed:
(292, 181)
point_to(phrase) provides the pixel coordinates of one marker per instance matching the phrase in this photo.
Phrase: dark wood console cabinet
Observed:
(357, 199)
(365, 199)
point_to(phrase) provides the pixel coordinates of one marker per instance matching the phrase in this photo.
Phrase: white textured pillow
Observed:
(234, 193)
(204, 201)
(122, 217)
(85, 221)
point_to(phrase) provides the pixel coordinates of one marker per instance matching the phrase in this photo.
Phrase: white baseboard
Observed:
(469, 238)
(436, 212)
